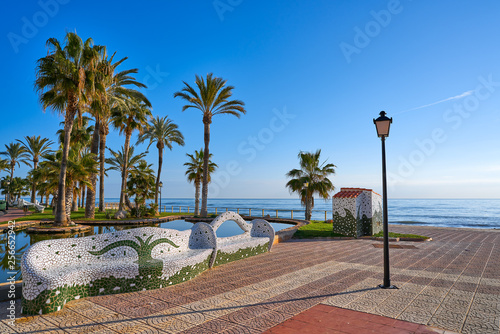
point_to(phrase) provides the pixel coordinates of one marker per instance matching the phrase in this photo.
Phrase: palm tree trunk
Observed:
(69, 201)
(124, 172)
(10, 184)
(83, 195)
(60, 218)
(79, 204)
(90, 204)
(197, 197)
(160, 163)
(102, 153)
(206, 156)
(33, 187)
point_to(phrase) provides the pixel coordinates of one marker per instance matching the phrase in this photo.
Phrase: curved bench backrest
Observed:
(149, 241)
(230, 215)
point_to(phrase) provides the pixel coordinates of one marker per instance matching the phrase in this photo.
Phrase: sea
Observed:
(466, 213)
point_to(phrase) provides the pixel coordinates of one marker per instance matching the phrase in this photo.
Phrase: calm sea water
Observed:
(472, 213)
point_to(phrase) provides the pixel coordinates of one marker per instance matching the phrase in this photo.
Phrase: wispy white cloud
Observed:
(456, 97)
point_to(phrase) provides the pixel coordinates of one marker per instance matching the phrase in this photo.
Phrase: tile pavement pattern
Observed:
(452, 283)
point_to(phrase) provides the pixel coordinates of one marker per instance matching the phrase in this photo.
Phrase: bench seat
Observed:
(257, 238)
(57, 271)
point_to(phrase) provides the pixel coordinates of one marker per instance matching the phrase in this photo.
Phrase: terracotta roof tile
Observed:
(351, 192)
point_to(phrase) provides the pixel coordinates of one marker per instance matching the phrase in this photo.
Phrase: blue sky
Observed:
(313, 75)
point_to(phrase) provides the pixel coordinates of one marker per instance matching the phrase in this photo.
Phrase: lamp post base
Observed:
(387, 287)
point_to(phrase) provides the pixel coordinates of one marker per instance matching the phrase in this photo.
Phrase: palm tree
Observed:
(81, 139)
(36, 147)
(212, 98)
(117, 163)
(141, 183)
(15, 153)
(194, 174)
(128, 118)
(4, 165)
(311, 178)
(18, 187)
(164, 132)
(81, 165)
(115, 92)
(64, 79)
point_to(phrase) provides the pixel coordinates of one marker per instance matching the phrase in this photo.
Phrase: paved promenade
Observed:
(450, 284)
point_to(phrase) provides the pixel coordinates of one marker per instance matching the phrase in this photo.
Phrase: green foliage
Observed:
(316, 229)
(315, 175)
(109, 214)
(141, 184)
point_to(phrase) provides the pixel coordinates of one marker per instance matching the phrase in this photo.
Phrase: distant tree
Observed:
(164, 132)
(18, 187)
(36, 147)
(212, 98)
(117, 162)
(141, 183)
(194, 174)
(315, 174)
(128, 118)
(15, 153)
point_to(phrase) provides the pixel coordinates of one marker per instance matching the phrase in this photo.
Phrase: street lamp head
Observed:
(160, 184)
(306, 184)
(383, 123)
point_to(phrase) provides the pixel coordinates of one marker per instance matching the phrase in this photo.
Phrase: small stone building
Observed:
(357, 212)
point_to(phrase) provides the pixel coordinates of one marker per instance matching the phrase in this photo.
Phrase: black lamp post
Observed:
(306, 185)
(383, 124)
(161, 185)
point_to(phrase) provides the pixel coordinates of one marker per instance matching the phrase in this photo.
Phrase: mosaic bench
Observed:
(57, 271)
(257, 238)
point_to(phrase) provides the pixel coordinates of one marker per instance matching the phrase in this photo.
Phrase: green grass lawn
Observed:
(316, 229)
(400, 235)
(321, 229)
(80, 215)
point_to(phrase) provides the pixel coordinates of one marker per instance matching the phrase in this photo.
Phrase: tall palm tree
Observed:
(15, 153)
(81, 139)
(164, 132)
(117, 163)
(194, 174)
(64, 79)
(311, 178)
(36, 147)
(115, 92)
(127, 118)
(212, 98)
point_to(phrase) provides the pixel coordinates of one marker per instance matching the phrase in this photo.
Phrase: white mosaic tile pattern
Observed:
(256, 233)
(50, 264)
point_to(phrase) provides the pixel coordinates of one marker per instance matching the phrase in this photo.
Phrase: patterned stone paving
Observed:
(452, 283)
